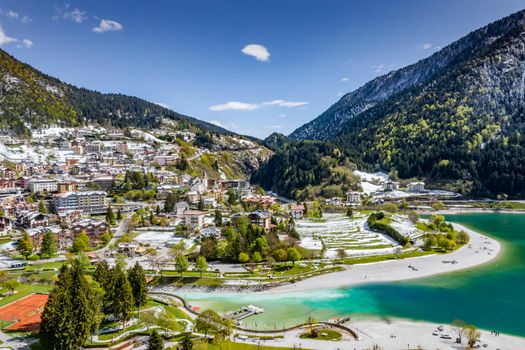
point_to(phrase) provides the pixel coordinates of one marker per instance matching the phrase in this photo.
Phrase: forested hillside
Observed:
(461, 126)
(30, 99)
(466, 124)
(354, 104)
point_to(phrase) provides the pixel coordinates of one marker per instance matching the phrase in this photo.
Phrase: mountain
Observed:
(455, 119)
(30, 99)
(356, 103)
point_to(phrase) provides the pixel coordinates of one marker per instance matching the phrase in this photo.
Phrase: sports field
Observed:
(24, 313)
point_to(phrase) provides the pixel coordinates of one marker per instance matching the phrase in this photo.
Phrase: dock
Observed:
(244, 312)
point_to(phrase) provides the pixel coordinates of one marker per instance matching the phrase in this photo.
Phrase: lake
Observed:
(491, 296)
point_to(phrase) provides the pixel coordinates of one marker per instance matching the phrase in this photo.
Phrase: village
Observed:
(129, 198)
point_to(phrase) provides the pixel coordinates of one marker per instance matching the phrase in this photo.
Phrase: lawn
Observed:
(377, 258)
(324, 334)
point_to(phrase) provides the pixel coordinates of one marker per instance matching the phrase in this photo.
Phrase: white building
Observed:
(353, 197)
(90, 202)
(193, 218)
(42, 185)
(417, 186)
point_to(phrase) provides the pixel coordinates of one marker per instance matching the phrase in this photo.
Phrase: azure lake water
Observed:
(491, 296)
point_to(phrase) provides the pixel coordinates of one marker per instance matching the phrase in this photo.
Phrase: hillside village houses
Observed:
(416, 186)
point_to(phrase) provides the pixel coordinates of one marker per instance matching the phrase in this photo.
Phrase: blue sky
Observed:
(254, 67)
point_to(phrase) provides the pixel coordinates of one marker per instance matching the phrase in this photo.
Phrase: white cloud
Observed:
(233, 106)
(283, 103)
(26, 43)
(5, 39)
(378, 68)
(425, 46)
(107, 25)
(64, 12)
(258, 51)
(216, 122)
(162, 104)
(242, 106)
(77, 15)
(344, 79)
(12, 14)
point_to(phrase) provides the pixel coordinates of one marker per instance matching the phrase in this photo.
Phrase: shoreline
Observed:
(397, 333)
(480, 250)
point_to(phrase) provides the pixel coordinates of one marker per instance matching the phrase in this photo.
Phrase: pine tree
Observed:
(139, 286)
(102, 274)
(110, 216)
(121, 295)
(71, 311)
(25, 245)
(49, 245)
(119, 214)
(155, 341)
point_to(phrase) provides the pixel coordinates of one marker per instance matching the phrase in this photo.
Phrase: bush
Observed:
(374, 224)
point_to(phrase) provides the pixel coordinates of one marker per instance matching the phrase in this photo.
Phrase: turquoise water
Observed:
(491, 296)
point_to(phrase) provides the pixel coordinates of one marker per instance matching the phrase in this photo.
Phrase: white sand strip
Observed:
(481, 249)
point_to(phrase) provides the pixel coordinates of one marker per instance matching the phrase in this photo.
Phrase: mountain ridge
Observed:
(33, 99)
(383, 87)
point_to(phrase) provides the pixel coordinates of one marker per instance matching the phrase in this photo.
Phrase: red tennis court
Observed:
(24, 313)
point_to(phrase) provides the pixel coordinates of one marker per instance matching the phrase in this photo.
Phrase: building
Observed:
(336, 201)
(193, 218)
(416, 186)
(391, 186)
(193, 197)
(67, 186)
(181, 207)
(297, 211)
(122, 148)
(6, 225)
(105, 183)
(166, 160)
(42, 185)
(32, 219)
(353, 197)
(210, 232)
(93, 228)
(92, 202)
(209, 202)
(260, 218)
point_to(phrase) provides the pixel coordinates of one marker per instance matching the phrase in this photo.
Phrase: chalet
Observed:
(93, 228)
(260, 218)
(32, 219)
(297, 211)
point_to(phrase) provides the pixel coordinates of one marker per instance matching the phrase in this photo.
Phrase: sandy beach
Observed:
(480, 250)
(397, 334)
